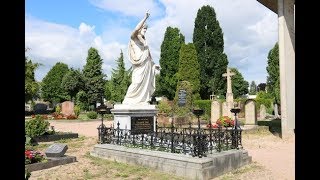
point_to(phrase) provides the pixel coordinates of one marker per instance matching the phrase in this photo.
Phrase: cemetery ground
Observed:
(273, 158)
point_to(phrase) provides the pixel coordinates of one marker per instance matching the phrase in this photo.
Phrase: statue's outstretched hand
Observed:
(147, 14)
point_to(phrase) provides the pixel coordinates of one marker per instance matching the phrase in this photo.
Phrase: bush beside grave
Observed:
(92, 115)
(36, 127)
(206, 106)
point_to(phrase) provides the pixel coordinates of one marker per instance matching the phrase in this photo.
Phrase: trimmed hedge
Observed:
(206, 106)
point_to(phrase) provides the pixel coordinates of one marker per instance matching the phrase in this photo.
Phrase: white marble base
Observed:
(123, 113)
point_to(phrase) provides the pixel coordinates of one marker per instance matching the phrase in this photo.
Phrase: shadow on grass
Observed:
(274, 126)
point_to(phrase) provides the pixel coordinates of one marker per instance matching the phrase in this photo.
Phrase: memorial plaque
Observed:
(56, 150)
(182, 94)
(141, 125)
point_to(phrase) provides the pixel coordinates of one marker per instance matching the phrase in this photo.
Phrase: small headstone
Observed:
(215, 111)
(56, 150)
(276, 111)
(263, 112)
(250, 112)
(40, 108)
(67, 108)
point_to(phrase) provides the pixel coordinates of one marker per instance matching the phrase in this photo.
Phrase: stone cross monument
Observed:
(229, 94)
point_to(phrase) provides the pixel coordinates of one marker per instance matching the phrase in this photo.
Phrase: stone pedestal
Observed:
(129, 116)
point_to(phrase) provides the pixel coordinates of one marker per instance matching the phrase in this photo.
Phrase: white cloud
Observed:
(50, 43)
(249, 28)
(128, 7)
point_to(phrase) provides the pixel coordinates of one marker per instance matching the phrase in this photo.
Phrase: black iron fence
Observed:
(192, 141)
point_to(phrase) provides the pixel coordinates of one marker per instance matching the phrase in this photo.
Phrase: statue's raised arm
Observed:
(142, 84)
(140, 25)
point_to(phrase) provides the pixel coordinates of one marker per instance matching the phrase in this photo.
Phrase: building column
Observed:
(287, 65)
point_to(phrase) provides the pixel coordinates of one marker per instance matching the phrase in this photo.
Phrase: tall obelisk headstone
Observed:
(229, 94)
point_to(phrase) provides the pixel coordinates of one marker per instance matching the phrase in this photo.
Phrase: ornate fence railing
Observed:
(192, 141)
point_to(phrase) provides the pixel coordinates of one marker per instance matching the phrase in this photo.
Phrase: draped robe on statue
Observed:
(143, 74)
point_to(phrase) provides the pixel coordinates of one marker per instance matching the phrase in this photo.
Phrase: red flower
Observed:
(213, 125)
(225, 121)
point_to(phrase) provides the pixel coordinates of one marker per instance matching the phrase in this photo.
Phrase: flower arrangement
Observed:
(212, 125)
(32, 156)
(225, 121)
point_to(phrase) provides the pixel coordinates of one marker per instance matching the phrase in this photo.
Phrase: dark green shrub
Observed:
(36, 127)
(92, 115)
(206, 106)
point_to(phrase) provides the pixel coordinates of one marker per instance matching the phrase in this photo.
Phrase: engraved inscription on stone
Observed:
(141, 125)
(56, 150)
(182, 94)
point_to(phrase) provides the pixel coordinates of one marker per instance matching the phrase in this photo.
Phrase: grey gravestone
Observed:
(250, 112)
(56, 150)
(182, 95)
(40, 108)
(263, 112)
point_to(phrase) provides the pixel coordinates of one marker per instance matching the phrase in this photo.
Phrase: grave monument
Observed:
(136, 111)
(229, 94)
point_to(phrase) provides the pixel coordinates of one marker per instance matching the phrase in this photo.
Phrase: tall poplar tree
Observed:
(169, 61)
(208, 40)
(93, 77)
(273, 79)
(189, 69)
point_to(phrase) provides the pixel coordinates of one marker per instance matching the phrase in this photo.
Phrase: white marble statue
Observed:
(143, 68)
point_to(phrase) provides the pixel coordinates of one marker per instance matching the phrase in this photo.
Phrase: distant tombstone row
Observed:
(67, 108)
(221, 109)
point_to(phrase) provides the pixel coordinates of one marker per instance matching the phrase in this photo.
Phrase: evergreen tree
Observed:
(273, 79)
(117, 87)
(94, 77)
(208, 40)
(51, 89)
(253, 88)
(189, 69)
(169, 57)
(31, 87)
(239, 85)
(72, 82)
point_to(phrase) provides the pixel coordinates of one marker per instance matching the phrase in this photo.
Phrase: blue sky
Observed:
(63, 31)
